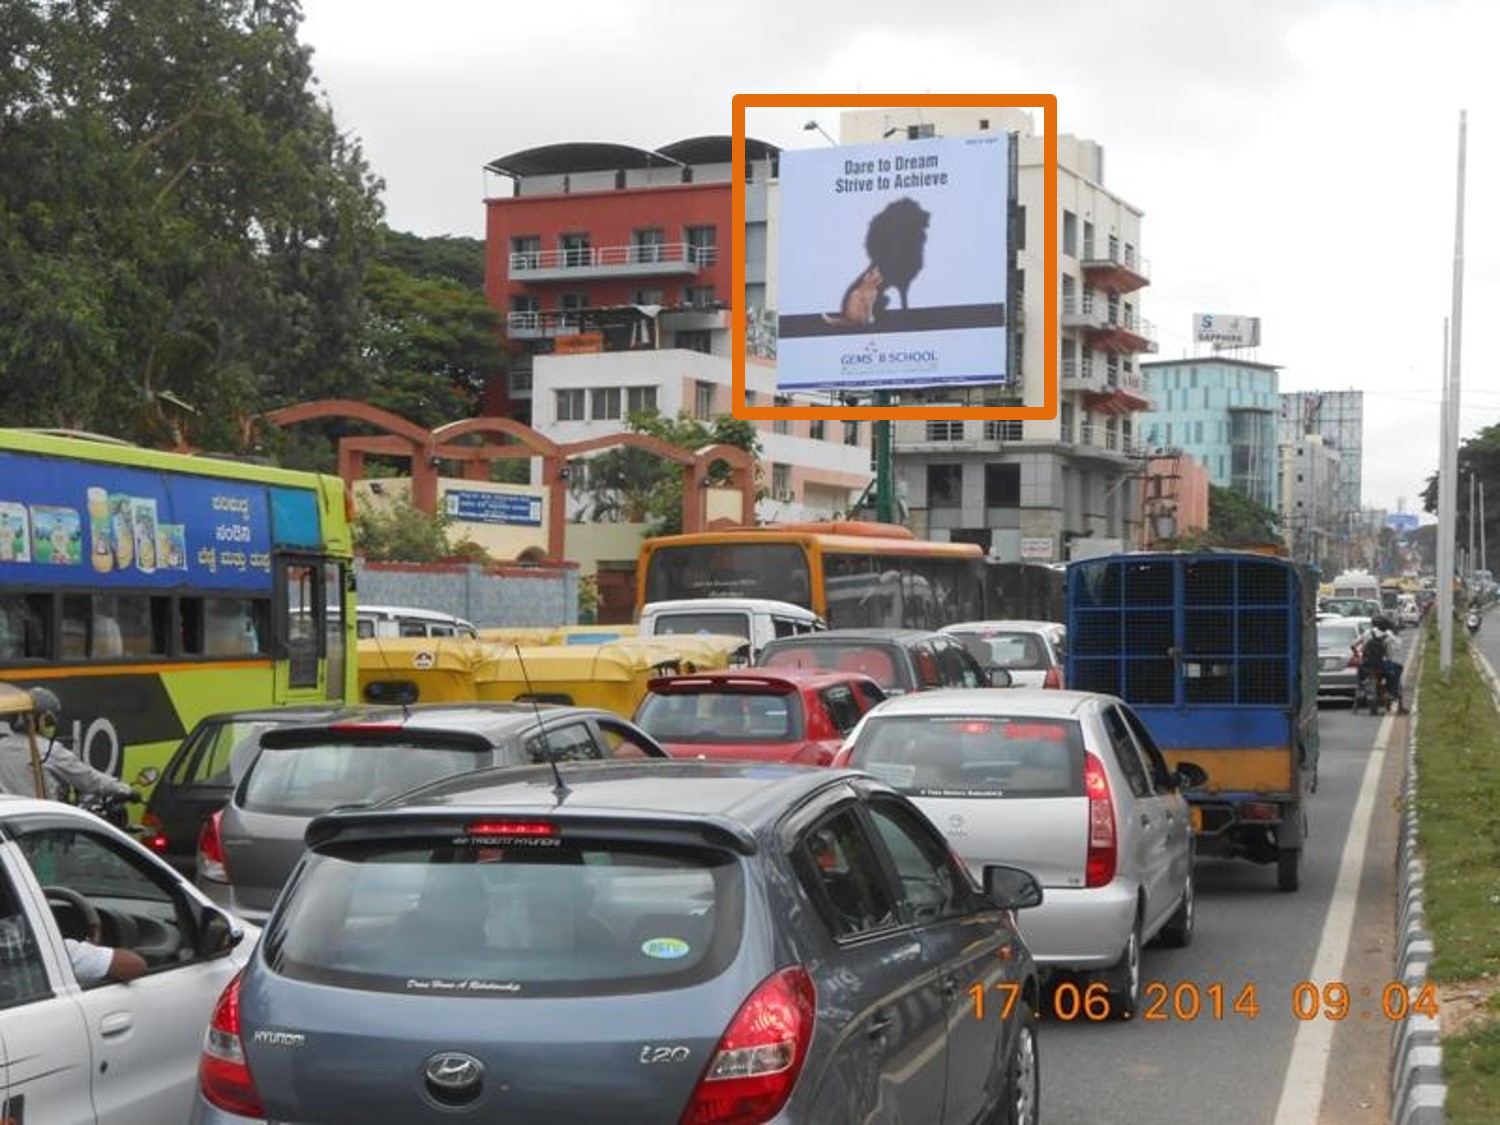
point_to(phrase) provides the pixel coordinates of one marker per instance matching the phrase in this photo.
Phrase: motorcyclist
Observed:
(60, 766)
(1384, 631)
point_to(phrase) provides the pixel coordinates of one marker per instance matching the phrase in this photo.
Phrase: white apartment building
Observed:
(1031, 487)
(809, 470)
(1310, 514)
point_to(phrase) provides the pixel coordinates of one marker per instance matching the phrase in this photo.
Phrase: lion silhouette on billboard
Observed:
(894, 242)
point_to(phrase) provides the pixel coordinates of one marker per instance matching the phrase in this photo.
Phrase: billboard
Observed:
(518, 509)
(894, 265)
(1226, 331)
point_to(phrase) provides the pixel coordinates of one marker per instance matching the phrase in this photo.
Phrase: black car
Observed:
(645, 942)
(248, 848)
(899, 660)
(202, 772)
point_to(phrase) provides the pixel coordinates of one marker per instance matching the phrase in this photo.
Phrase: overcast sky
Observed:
(1296, 159)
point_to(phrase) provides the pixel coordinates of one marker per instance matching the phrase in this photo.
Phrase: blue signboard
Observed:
(513, 508)
(65, 523)
(1402, 522)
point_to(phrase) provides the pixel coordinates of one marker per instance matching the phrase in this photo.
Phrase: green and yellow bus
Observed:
(149, 589)
(852, 574)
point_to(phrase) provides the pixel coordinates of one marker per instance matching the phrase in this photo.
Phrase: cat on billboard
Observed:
(893, 244)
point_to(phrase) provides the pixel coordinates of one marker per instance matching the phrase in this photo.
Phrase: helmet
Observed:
(47, 709)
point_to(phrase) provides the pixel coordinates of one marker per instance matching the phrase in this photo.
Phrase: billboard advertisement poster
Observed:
(1226, 331)
(894, 265)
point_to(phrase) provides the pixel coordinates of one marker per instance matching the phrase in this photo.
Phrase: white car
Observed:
(106, 1053)
(1067, 785)
(1033, 652)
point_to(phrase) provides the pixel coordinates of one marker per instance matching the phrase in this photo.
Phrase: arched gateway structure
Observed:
(426, 450)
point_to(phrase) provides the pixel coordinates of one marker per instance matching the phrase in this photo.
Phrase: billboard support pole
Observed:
(885, 506)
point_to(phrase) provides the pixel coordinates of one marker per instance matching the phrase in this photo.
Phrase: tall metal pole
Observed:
(1469, 560)
(1449, 470)
(1484, 558)
(1445, 529)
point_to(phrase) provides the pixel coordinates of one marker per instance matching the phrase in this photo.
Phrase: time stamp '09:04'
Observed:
(1189, 1000)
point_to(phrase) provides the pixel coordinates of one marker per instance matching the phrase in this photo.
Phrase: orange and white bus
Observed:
(850, 574)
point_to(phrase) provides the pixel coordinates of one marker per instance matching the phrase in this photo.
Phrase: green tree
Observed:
(181, 221)
(1479, 457)
(443, 258)
(1234, 520)
(627, 485)
(399, 532)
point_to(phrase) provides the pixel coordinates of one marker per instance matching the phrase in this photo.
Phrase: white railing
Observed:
(592, 257)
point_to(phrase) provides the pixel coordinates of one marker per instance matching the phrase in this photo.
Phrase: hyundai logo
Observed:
(453, 1076)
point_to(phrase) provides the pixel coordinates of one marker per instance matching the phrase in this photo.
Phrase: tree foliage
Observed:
(629, 485)
(181, 221)
(1479, 457)
(400, 532)
(1234, 520)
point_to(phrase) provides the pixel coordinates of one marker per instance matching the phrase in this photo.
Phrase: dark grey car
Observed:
(899, 660)
(249, 847)
(649, 943)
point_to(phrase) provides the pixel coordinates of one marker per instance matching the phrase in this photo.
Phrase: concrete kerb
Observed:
(1418, 1092)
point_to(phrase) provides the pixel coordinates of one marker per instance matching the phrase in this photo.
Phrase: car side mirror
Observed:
(217, 934)
(1011, 888)
(1000, 677)
(1189, 775)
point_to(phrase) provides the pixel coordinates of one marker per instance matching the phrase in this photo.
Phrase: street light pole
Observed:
(1448, 469)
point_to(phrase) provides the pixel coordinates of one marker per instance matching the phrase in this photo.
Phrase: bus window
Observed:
(730, 570)
(24, 632)
(303, 622)
(129, 625)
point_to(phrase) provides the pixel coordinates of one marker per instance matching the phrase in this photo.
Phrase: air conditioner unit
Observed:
(785, 495)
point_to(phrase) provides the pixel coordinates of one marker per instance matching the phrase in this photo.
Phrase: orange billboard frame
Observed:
(1047, 103)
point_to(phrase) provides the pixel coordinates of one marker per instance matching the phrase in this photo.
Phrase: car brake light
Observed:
(1099, 867)
(1053, 679)
(223, 1071)
(757, 1061)
(531, 828)
(153, 836)
(973, 728)
(211, 850)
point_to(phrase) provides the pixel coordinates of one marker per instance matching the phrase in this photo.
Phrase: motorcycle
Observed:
(1473, 622)
(113, 808)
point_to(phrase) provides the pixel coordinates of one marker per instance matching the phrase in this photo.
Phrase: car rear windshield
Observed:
(1337, 635)
(722, 716)
(725, 624)
(306, 780)
(973, 756)
(485, 917)
(873, 660)
(1016, 651)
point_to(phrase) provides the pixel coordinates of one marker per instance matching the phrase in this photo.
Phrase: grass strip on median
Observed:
(1458, 803)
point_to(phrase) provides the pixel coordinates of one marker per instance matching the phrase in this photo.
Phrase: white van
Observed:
(758, 620)
(405, 621)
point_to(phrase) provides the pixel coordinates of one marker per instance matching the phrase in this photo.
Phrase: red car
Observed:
(769, 716)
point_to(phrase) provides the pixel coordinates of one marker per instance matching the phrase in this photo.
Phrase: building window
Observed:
(575, 249)
(781, 425)
(816, 429)
(606, 403)
(945, 486)
(703, 401)
(526, 304)
(1020, 228)
(749, 398)
(699, 296)
(851, 433)
(570, 405)
(1067, 422)
(917, 132)
(1002, 486)
(520, 379)
(646, 244)
(781, 482)
(945, 431)
(1088, 241)
(1070, 234)
(984, 122)
(1006, 430)
(640, 400)
(702, 244)
(649, 297)
(525, 252)
(698, 340)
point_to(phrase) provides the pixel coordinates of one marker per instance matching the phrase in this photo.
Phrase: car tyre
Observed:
(1178, 932)
(1021, 1102)
(1123, 978)
(1288, 869)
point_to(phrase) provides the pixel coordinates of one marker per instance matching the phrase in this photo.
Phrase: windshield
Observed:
(738, 570)
(973, 756)
(307, 780)
(1337, 634)
(465, 916)
(865, 659)
(1010, 650)
(726, 624)
(722, 717)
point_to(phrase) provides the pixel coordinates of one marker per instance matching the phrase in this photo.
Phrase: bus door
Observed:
(311, 650)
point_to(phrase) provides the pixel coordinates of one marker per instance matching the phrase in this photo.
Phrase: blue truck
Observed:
(1217, 653)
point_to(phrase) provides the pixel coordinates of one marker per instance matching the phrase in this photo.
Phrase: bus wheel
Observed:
(1288, 869)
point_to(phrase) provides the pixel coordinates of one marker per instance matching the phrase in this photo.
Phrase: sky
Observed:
(1296, 160)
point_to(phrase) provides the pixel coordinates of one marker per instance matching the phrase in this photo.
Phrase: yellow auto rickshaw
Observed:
(557, 635)
(419, 669)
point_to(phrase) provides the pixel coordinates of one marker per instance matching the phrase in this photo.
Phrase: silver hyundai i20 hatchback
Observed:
(647, 942)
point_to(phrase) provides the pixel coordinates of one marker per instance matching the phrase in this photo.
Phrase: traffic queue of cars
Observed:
(415, 866)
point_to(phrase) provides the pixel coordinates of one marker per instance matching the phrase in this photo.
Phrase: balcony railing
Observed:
(1117, 269)
(955, 434)
(636, 259)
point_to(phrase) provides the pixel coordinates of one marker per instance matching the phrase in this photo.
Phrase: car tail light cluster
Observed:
(1099, 868)
(1053, 678)
(759, 1057)
(224, 1072)
(153, 836)
(211, 850)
